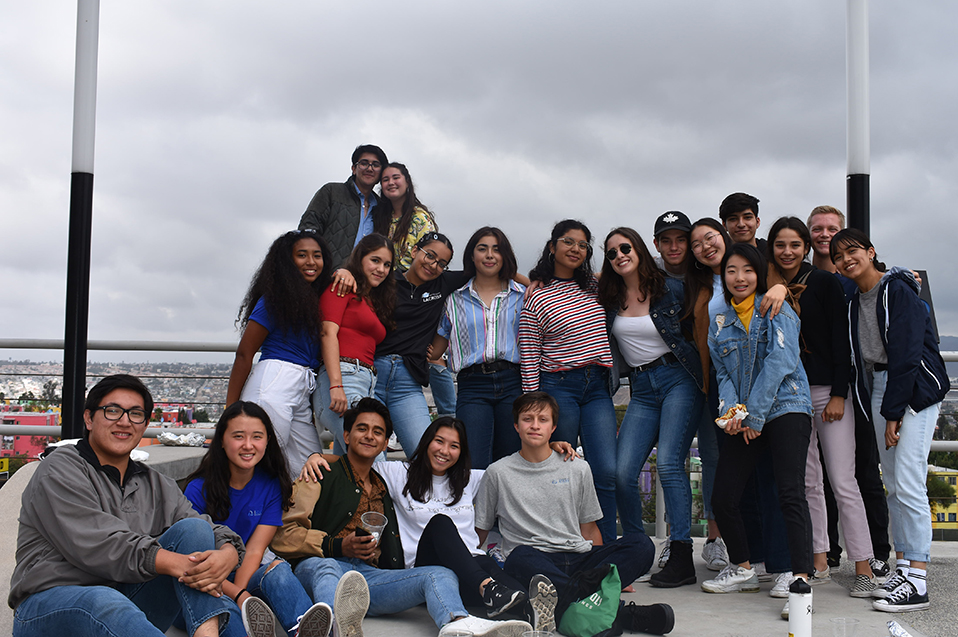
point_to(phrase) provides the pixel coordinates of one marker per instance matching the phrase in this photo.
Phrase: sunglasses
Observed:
(612, 253)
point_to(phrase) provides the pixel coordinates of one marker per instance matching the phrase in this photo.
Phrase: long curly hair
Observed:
(215, 466)
(419, 476)
(382, 298)
(293, 303)
(698, 276)
(544, 270)
(612, 291)
(383, 218)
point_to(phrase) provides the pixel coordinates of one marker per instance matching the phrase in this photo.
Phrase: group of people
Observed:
(785, 369)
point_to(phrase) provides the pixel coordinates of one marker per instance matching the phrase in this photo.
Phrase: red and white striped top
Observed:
(561, 327)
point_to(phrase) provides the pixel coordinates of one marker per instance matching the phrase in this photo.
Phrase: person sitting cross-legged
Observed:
(547, 511)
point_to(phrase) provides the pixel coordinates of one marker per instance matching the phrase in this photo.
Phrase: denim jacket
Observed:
(760, 368)
(666, 313)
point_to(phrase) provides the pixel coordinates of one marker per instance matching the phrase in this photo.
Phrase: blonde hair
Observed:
(825, 210)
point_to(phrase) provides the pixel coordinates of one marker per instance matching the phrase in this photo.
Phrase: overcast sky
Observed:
(217, 121)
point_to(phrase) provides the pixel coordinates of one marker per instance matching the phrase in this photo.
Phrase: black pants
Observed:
(441, 545)
(786, 437)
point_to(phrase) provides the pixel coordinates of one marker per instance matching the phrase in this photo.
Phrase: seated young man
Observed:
(107, 546)
(319, 536)
(547, 511)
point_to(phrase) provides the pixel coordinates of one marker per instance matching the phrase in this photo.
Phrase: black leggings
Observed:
(787, 438)
(441, 545)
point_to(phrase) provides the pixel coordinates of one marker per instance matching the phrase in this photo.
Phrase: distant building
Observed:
(945, 514)
(27, 445)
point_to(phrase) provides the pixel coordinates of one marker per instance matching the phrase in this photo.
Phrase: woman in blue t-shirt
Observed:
(280, 317)
(243, 482)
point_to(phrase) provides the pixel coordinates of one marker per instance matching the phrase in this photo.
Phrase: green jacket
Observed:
(334, 212)
(322, 509)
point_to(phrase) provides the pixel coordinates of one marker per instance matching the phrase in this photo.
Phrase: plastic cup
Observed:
(458, 632)
(374, 523)
(538, 633)
(844, 626)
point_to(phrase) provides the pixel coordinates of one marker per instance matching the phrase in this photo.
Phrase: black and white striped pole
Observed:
(81, 219)
(858, 124)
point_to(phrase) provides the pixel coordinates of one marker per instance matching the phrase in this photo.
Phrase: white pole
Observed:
(84, 90)
(858, 123)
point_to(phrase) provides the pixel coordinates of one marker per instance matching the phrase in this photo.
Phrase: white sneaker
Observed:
(782, 582)
(486, 627)
(350, 604)
(820, 577)
(664, 555)
(763, 575)
(715, 555)
(258, 618)
(315, 622)
(785, 610)
(733, 579)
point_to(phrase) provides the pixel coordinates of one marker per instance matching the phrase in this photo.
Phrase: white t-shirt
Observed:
(717, 303)
(638, 339)
(413, 515)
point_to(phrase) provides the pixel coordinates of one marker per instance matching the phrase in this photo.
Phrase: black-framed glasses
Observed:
(432, 257)
(137, 415)
(569, 241)
(612, 253)
(365, 163)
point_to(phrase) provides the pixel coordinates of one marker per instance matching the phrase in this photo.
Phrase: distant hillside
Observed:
(950, 344)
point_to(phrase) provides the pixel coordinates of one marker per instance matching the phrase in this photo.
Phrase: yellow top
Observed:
(745, 309)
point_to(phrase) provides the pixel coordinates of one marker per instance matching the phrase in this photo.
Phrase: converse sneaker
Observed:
(350, 604)
(486, 627)
(863, 586)
(903, 599)
(782, 582)
(543, 598)
(258, 618)
(785, 610)
(733, 579)
(893, 582)
(665, 554)
(879, 569)
(315, 622)
(820, 577)
(715, 554)
(763, 575)
(498, 598)
(657, 619)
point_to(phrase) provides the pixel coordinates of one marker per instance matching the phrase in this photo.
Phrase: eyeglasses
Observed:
(707, 239)
(432, 257)
(365, 163)
(137, 415)
(569, 242)
(624, 248)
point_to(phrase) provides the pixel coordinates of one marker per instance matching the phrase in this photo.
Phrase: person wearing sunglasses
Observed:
(668, 386)
(343, 212)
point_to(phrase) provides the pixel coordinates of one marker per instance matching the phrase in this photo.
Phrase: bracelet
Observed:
(332, 387)
(236, 599)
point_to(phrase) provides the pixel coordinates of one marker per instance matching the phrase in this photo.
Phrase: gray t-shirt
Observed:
(538, 504)
(660, 263)
(873, 351)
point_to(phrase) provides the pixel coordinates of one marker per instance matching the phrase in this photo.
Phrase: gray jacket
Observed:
(334, 212)
(79, 528)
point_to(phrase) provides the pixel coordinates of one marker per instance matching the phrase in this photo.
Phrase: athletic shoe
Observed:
(664, 555)
(543, 598)
(903, 599)
(890, 585)
(834, 563)
(393, 444)
(879, 569)
(733, 579)
(782, 582)
(315, 622)
(486, 627)
(657, 619)
(645, 577)
(258, 618)
(715, 554)
(864, 586)
(350, 604)
(499, 598)
(785, 610)
(820, 577)
(763, 575)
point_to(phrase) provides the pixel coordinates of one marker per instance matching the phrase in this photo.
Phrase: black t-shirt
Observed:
(826, 352)
(417, 313)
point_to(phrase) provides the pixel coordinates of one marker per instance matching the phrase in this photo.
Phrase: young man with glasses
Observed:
(107, 545)
(343, 212)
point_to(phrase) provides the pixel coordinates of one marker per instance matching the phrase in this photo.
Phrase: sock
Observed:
(917, 577)
(903, 566)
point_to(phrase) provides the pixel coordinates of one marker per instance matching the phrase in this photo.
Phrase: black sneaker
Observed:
(498, 598)
(543, 598)
(879, 568)
(903, 599)
(657, 619)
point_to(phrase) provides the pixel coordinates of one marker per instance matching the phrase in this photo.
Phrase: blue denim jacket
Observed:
(760, 368)
(666, 313)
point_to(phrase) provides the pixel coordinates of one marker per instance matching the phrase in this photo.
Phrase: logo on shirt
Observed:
(561, 481)
(253, 513)
(427, 297)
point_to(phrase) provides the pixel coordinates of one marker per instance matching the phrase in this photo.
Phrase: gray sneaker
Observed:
(543, 598)
(258, 618)
(733, 579)
(715, 554)
(350, 604)
(315, 622)
(664, 555)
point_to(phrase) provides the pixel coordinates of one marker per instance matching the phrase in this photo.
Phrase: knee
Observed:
(189, 534)
(440, 523)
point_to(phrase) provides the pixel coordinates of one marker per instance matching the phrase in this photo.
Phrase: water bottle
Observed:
(799, 609)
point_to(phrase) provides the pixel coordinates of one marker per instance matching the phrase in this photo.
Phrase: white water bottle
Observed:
(799, 609)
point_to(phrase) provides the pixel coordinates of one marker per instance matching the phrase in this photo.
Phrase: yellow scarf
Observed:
(745, 309)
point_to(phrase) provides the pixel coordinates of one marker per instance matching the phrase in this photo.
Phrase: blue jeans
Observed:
(390, 590)
(665, 408)
(485, 406)
(400, 392)
(145, 608)
(904, 470)
(443, 389)
(282, 591)
(358, 382)
(586, 412)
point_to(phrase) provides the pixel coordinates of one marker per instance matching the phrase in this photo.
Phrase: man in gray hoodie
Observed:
(108, 546)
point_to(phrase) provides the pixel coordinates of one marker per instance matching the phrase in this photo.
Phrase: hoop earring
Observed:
(552, 257)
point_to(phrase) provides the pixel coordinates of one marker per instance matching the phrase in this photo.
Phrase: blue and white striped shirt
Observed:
(480, 334)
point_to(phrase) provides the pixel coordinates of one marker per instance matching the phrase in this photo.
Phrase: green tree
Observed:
(940, 493)
(50, 393)
(25, 396)
(201, 415)
(946, 459)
